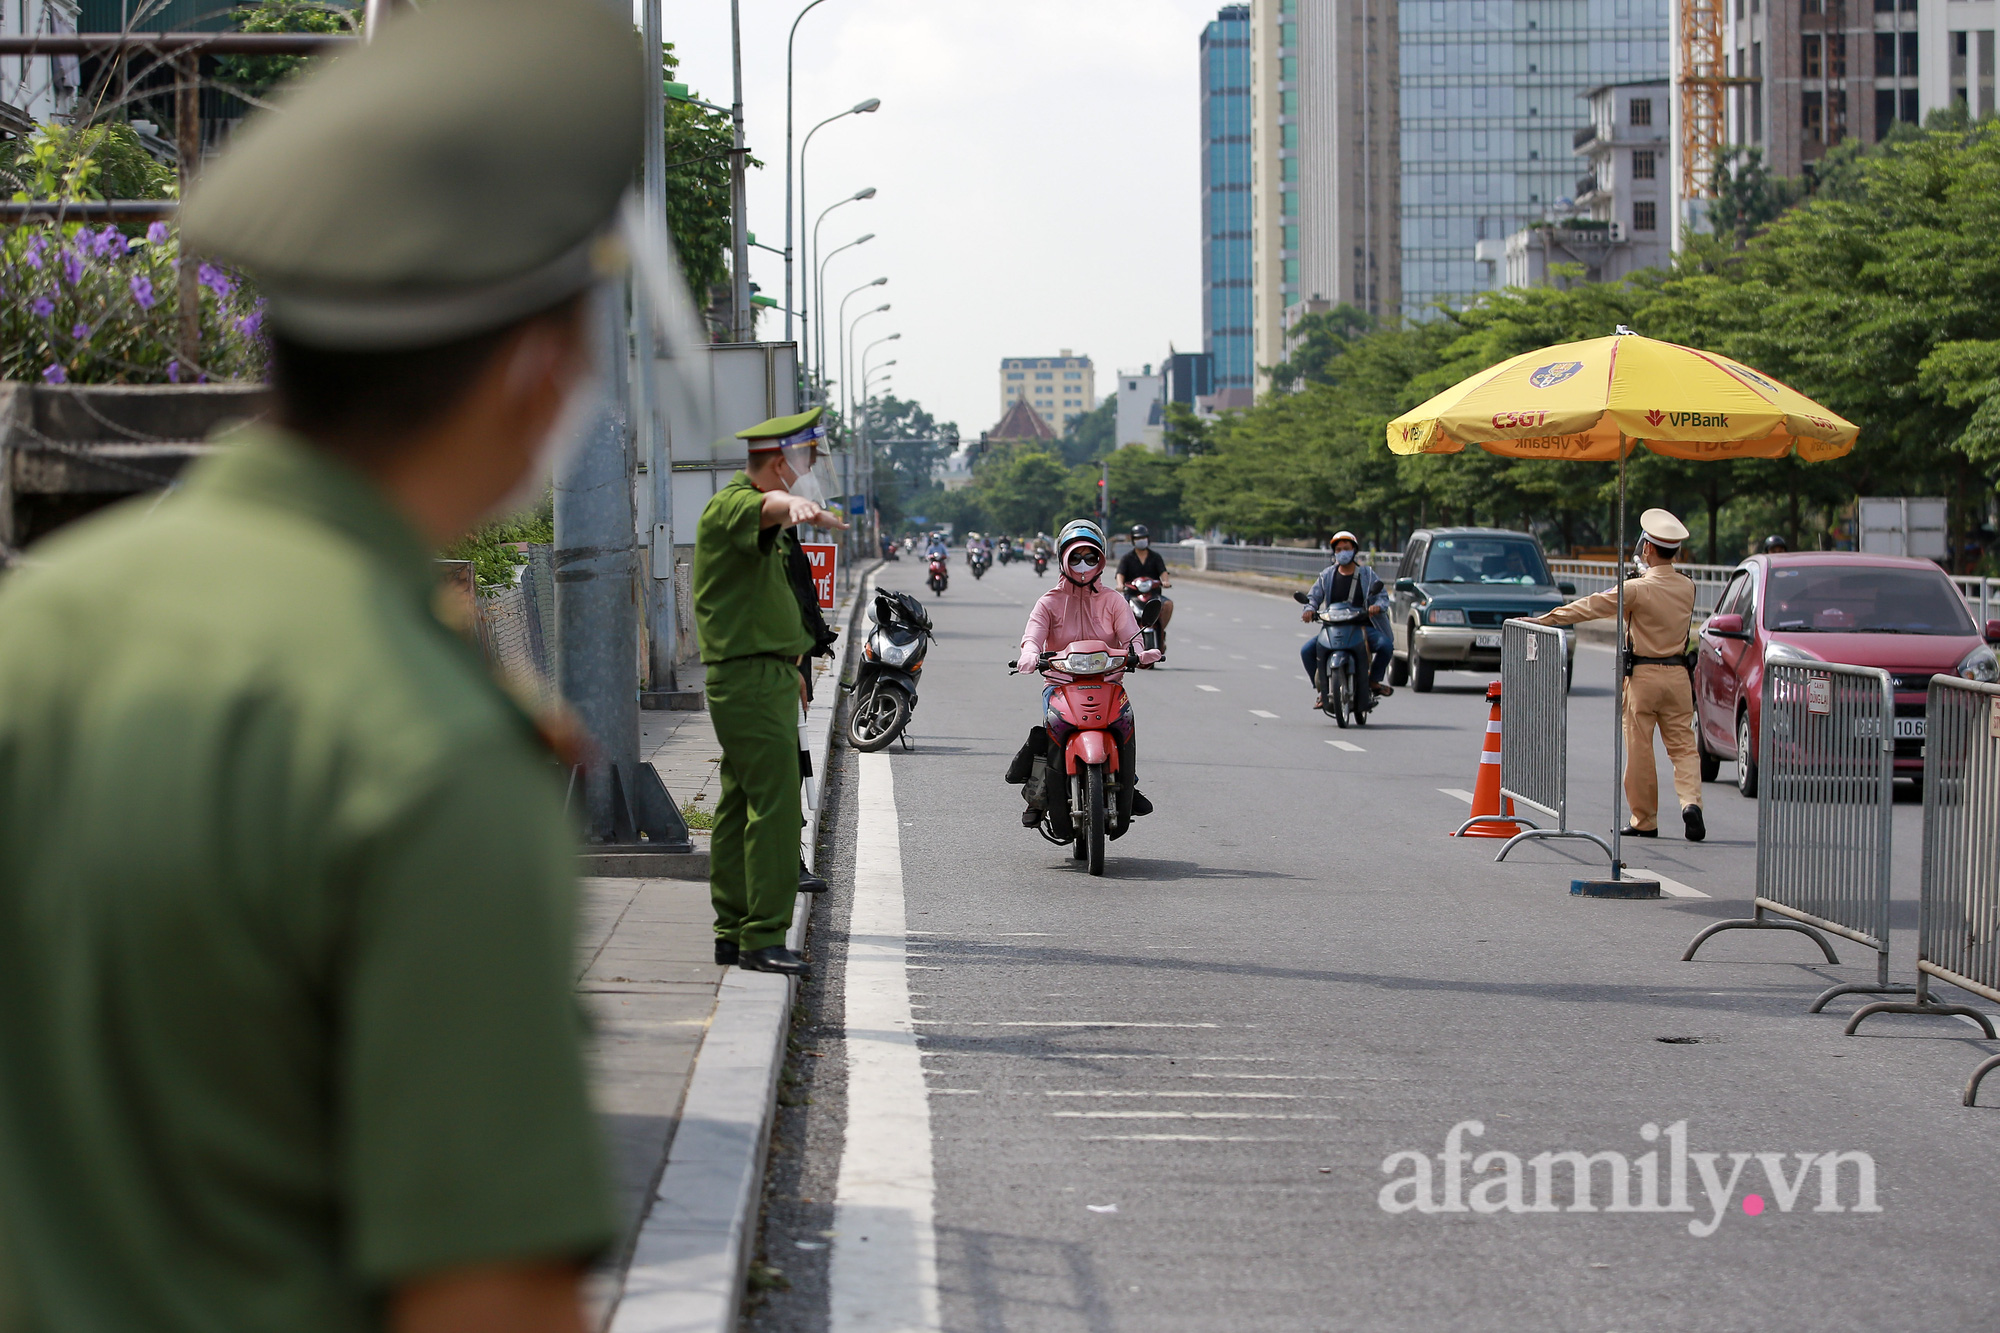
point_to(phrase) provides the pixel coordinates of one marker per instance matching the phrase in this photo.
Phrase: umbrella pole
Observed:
(1618, 683)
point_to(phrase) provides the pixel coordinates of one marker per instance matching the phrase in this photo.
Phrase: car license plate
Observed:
(1486, 641)
(1905, 728)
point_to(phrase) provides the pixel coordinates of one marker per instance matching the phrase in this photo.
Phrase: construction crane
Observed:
(1701, 72)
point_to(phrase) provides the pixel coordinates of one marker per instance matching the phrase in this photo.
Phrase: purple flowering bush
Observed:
(82, 305)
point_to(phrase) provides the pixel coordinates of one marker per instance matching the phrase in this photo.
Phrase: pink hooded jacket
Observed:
(1069, 613)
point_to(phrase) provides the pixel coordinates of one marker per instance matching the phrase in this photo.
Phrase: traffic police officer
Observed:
(288, 1034)
(1659, 615)
(753, 639)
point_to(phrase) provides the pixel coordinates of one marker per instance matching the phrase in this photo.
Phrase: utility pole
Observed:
(662, 626)
(741, 315)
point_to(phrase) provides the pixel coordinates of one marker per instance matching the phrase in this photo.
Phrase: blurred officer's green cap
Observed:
(450, 177)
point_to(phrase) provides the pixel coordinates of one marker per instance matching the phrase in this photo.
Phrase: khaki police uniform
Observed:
(752, 636)
(1659, 610)
(287, 917)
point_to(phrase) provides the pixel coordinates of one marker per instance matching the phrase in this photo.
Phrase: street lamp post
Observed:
(841, 378)
(819, 357)
(847, 350)
(858, 109)
(869, 501)
(741, 317)
(809, 285)
(789, 39)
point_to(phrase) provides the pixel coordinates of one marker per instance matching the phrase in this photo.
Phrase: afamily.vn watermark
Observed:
(1551, 1182)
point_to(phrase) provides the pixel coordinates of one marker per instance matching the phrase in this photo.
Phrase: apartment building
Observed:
(1349, 173)
(1274, 166)
(1228, 331)
(1059, 388)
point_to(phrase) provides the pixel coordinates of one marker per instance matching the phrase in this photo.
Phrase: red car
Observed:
(1899, 614)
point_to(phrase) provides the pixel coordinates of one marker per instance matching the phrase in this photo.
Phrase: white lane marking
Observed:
(1348, 746)
(1068, 1023)
(1210, 689)
(1023, 934)
(1258, 712)
(884, 1264)
(958, 1092)
(1265, 666)
(1459, 792)
(1188, 1138)
(1673, 888)
(1183, 1115)
(1205, 1096)
(1239, 657)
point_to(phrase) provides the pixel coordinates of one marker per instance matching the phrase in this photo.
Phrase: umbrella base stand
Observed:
(1615, 888)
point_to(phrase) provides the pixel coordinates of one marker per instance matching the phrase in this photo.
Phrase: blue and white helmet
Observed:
(1081, 532)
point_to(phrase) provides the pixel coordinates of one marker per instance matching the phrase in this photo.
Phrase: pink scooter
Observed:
(1091, 701)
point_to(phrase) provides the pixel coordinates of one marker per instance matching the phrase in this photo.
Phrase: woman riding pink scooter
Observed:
(1077, 609)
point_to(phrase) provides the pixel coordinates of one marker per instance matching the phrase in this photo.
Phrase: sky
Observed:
(1038, 172)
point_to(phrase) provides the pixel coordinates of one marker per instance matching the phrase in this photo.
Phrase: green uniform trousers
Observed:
(753, 869)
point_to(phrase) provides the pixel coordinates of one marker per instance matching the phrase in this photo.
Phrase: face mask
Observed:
(1344, 556)
(1085, 573)
(807, 486)
(1143, 543)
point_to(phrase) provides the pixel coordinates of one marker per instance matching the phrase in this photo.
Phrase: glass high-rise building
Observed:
(1227, 321)
(1491, 106)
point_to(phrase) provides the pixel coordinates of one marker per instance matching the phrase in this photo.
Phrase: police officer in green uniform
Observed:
(288, 1032)
(753, 639)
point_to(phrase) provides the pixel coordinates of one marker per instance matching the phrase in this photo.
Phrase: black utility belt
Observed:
(1685, 661)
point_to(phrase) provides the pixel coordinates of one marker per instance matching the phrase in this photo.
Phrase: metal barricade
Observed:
(1826, 751)
(1958, 921)
(1534, 750)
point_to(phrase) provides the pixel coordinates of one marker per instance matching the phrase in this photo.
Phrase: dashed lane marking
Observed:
(1068, 1023)
(1211, 689)
(1459, 792)
(1348, 746)
(1181, 1115)
(1258, 712)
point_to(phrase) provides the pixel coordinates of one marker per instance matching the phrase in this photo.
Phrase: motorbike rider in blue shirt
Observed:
(937, 547)
(1346, 580)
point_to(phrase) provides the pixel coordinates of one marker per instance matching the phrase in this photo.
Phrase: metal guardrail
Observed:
(1826, 755)
(1534, 699)
(1592, 576)
(1958, 923)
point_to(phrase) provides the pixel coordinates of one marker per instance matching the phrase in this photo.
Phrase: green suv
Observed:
(1455, 588)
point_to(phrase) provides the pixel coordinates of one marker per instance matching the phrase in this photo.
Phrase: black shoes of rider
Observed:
(1697, 828)
(1030, 817)
(777, 958)
(1140, 805)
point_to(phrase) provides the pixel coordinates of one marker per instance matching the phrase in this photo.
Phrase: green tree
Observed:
(1090, 435)
(909, 443)
(698, 144)
(252, 77)
(104, 161)
(1145, 488)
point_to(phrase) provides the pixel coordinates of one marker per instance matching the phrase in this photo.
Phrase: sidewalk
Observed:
(685, 1054)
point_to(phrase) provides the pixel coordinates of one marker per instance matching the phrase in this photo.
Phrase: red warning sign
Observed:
(822, 555)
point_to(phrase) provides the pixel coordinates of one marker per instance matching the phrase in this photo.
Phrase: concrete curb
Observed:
(689, 1260)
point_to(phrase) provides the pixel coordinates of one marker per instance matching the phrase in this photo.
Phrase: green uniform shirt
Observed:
(743, 601)
(286, 923)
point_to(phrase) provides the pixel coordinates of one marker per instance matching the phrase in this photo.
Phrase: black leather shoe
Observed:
(1140, 805)
(1030, 817)
(726, 953)
(1691, 819)
(809, 882)
(1634, 831)
(776, 958)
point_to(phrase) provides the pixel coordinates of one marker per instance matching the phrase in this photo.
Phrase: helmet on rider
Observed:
(1340, 539)
(1774, 545)
(1141, 537)
(1081, 546)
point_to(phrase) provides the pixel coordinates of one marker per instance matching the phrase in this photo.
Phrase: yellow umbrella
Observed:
(1592, 401)
(1581, 401)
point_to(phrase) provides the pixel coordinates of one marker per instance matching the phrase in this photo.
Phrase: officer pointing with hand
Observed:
(1659, 692)
(753, 638)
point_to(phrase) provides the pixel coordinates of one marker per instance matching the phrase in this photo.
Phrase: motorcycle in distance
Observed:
(1343, 675)
(940, 573)
(1041, 562)
(982, 560)
(884, 689)
(1088, 809)
(1143, 595)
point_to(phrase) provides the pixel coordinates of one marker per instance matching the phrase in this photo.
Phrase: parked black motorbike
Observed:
(884, 687)
(1343, 686)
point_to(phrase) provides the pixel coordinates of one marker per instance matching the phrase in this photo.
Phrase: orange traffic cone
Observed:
(1486, 790)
